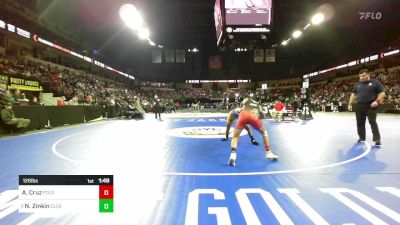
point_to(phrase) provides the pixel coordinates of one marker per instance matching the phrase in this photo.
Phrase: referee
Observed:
(157, 107)
(368, 95)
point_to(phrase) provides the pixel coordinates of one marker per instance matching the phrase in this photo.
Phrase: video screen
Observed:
(248, 12)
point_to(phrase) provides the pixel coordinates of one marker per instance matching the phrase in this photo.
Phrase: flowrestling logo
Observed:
(370, 15)
(202, 132)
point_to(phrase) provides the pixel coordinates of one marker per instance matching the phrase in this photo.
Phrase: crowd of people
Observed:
(334, 94)
(76, 87)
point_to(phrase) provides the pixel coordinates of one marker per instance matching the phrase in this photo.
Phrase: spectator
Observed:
(7, 98)
(8, 117)
(279, 109)
(61, 101)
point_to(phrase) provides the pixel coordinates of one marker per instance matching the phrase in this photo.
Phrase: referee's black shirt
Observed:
(367, 91)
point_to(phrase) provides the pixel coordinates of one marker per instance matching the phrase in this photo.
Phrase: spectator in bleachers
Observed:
(17, 94)
(7, 98)
(279, 109)
(295, 104)
(73, 101)
(61, 101)
(136, 105)
(8, 117)
(335, 104)
(35, 101)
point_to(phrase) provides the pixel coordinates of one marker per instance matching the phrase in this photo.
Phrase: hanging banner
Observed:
(156, 56)
(258, 55)
(215, 62)
(180, 56)
(170, 56)
(23, 84)
(269, 55)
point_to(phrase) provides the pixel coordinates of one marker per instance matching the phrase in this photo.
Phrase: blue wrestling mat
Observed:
(176, 171)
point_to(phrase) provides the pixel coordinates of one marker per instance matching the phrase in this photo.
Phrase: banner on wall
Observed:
(180, 55)
(156, 55)
(258, 55)
(170, 56)
(20, 83)
(269, 55)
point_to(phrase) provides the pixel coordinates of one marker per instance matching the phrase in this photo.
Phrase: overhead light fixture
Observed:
(296, 34)
(229, 29)
(307, 26)
(152, 43)
(317, 18)
(144, 33)
(131, 17)
(284, 42)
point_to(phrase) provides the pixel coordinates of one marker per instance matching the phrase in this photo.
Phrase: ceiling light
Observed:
(130, 16)
(144, 33)
(229, 29)
(307, 26)
(284, 43)
(317, 18)
(296, 34)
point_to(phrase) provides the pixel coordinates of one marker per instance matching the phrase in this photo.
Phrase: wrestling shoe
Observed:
(360, 140)
(224, 139)
(270, 155)
(254, 142)
(232, 159)
(378, 143)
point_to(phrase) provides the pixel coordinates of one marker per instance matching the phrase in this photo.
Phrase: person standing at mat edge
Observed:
(250, 114)
(368, 94)
(157, 105)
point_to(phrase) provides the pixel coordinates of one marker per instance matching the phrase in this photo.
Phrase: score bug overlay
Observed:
(66, 193)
